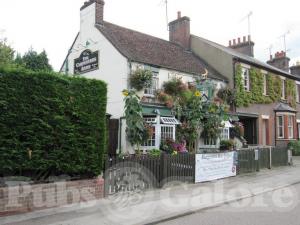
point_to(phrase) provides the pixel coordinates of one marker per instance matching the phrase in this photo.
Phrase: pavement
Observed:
(167, 204)
(266, 209)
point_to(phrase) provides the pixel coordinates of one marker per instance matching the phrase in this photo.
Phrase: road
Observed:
(281, 207)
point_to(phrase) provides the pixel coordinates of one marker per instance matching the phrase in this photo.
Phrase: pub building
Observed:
(109, 52)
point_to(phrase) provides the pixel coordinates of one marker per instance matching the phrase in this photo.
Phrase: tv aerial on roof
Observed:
(248, 17)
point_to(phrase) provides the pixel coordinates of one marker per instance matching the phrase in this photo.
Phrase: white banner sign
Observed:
(214, 166)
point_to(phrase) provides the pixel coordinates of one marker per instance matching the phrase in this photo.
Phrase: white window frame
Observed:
(151, 91)
(290, 127)
(280, 126)
(224, 134)
(159, 128)
(167, 132)
(265, 83)
(246, 78)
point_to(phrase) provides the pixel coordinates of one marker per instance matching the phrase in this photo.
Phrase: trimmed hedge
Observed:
(61, 120)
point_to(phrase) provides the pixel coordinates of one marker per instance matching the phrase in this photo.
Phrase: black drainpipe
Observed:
(234, 61)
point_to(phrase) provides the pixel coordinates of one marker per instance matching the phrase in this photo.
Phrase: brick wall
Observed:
(28, 198)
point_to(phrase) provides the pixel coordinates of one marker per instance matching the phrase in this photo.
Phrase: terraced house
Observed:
(267, 94)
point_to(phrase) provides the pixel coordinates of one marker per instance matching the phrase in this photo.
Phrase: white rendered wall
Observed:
(113, 67)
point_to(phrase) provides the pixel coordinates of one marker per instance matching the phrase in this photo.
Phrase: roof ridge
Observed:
(130, 29)
(248, 58)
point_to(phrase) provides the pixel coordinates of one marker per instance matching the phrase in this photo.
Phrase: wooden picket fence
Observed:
(147, 172)
(136, 173)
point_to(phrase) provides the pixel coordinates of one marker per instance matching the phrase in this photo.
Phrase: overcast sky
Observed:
(53, 24)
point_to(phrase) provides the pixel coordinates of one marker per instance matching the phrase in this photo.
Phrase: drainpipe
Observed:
(67, 62)
(234, 75)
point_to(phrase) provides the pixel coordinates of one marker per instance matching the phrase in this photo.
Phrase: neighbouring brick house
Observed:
(267, 93)
(109, 52)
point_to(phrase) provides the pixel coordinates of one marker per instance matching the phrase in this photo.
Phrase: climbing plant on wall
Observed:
(256, 93)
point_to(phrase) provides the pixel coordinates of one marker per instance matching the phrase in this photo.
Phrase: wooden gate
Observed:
(113, 137)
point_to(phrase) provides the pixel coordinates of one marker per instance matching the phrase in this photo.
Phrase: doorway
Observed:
(250, 129)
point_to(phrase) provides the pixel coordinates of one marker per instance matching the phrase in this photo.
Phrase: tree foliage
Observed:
(34, 61)
(6, 53)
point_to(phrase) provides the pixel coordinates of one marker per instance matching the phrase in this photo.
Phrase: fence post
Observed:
(162, 170)
(257, 158)
(270, 153)
(106, 168)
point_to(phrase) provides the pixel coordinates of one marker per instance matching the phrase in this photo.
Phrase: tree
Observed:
(33, 61)
(6, 53)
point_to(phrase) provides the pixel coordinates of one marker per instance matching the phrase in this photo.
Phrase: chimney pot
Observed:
(239, 40)
(249, 38)
(244, 39)
(178, 14)
(229, 42)
(234, 42)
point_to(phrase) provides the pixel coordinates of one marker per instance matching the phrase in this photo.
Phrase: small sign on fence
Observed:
(214, 166)
(256, 154)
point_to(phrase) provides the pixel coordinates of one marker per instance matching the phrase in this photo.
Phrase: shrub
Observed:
(174, 87)
(226, 145)
(141, 79)
(51, 124)
(295, 147)
(154, 152)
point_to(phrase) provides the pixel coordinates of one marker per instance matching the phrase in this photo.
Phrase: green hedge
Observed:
(295, 147)
(61, 119)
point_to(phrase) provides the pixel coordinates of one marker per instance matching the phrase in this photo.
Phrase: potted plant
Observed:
(139, 80)
(227, 145)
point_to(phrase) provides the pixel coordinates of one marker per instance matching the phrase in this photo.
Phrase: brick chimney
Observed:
(99, 9)
(246, 46)
(179, 31)
(295, 70)
(280, 61)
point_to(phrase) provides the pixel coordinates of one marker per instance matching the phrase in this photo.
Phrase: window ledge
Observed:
(149, 96)
(284, 139)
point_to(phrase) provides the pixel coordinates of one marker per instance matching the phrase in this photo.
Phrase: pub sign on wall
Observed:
(87, 61)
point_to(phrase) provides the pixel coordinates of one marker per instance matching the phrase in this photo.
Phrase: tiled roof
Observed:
(249, 59)
(281, 107)
(151, 50)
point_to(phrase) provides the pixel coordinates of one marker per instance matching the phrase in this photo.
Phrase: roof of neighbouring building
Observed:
(247, 59)
(282, 107)
(155, 109)
(147, 49)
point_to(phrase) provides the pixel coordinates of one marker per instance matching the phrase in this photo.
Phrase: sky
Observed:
(53, 24)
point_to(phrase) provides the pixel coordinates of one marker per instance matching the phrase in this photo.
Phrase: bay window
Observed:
(290, 127)
(224, 134)
(162, 129)
(280, 126)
